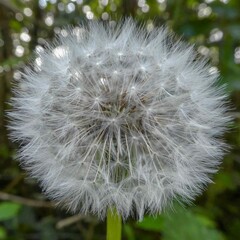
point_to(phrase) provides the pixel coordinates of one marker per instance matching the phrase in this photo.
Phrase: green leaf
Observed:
(205, 220)
(9, 210)
(184, 224)
(151, 224)
(129, 232)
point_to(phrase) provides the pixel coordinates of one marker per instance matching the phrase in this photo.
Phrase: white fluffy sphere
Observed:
(119, 117)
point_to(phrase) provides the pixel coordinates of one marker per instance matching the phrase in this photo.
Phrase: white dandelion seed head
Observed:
(119, 117)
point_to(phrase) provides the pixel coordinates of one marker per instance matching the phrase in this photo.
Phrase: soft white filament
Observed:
(118, 116)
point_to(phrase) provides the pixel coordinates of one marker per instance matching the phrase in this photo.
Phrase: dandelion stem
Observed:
(114, 225)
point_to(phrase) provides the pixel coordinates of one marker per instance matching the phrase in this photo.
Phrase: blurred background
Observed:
(212, 25)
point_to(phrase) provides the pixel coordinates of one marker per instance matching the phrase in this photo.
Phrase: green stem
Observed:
(114, 225)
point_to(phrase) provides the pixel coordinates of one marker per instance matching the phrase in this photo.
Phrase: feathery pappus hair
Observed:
(117, 116)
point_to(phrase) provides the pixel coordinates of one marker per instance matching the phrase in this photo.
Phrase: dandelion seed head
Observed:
(117, 116)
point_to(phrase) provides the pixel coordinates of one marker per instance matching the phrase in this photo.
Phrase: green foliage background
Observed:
(212, 25)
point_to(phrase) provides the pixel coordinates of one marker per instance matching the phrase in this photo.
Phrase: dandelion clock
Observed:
(117, 121)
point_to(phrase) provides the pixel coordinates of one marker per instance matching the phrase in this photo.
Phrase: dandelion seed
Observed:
(103, 124)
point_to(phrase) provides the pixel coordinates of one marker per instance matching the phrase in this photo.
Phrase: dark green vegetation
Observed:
(214, 27)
